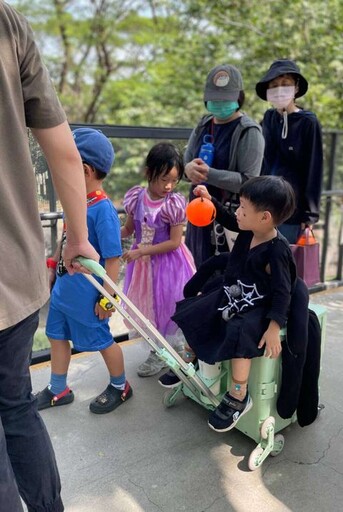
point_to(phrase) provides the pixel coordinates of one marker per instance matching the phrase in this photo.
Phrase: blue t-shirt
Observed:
(75, 295)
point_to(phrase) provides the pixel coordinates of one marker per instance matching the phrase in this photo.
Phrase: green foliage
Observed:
(142, 62)
(145, 62)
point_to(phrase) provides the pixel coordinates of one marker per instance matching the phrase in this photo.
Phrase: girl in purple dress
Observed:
(159, 263)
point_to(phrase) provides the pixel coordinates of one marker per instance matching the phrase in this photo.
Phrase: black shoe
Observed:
(46, 399)
(228, 412)
(169, 380)
(110, 399)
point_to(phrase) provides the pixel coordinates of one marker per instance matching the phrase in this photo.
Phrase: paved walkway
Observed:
(146, 458)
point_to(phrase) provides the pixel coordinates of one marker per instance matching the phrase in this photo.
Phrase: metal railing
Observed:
(331, 196)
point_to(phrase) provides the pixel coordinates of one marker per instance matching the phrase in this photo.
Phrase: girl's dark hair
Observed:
(270, 193)
(161, 159)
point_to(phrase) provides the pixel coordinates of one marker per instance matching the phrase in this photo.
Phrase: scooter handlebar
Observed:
(92, 266)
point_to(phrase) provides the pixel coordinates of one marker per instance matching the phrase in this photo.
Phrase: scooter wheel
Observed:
(279, 443)
(170, 396)
(254, 459)
(266, 426)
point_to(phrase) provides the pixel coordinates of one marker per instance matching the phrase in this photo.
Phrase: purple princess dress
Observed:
(155, 283)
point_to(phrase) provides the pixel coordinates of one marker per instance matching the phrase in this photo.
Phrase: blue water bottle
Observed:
(207, 150)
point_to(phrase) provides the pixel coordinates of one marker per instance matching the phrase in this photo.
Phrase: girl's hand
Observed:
(133, 255)
(201, 191)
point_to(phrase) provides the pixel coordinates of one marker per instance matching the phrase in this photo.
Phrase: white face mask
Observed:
(281, 97)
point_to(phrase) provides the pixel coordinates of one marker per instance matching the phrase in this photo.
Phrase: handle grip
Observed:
(92, 266)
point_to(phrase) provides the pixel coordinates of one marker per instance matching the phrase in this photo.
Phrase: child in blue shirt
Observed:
(76, 311)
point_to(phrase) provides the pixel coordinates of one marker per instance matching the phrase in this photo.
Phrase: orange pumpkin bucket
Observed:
(200, 212)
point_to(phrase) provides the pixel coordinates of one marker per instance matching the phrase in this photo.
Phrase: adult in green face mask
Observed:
(224, 150)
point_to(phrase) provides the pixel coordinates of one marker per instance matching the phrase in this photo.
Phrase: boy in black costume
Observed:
(241, 315)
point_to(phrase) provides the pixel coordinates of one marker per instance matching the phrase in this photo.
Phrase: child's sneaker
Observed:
(228, 412)
(46, 398)
(151, 366)
(169, 380)
(110, 399)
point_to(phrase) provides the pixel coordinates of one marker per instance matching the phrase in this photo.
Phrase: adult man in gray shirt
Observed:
(28, 99)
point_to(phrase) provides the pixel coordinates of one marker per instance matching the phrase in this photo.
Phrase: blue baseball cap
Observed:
(95, 148)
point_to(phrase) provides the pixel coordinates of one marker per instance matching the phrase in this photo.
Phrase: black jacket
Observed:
(298, 158)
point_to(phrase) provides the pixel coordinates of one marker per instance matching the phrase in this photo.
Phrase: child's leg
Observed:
(60, 356)
(118, 390)
(60, 360)
(57, 391)
(240, 375)
(236, 402)
(113, 357)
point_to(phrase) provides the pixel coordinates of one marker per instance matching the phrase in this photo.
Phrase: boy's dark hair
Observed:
(100, 175)
(270, 193)
(161, 159)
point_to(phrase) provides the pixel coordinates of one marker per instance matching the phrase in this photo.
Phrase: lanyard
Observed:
(96, 196)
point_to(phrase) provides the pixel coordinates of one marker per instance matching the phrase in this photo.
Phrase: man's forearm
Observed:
(68, 176)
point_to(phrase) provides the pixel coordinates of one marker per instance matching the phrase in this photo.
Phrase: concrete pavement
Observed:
(144, 457)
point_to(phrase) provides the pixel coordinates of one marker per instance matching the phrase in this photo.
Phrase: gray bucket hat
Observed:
(278, 68)
(223, 83)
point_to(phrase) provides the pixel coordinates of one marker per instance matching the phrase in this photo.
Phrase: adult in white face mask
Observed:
(223, 151)
(293, 143)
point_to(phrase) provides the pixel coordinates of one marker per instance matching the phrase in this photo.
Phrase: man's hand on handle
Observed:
(74, 249)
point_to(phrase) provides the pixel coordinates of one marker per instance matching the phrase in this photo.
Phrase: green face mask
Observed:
(222, 109)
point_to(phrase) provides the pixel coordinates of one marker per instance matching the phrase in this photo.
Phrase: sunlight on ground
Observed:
(234, 483)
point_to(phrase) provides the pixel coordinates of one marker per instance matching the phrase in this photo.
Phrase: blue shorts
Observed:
(60, 326)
